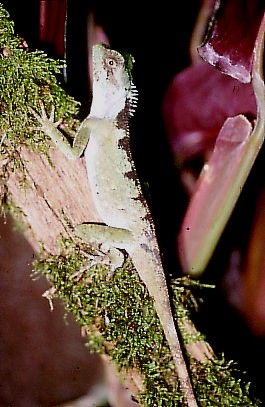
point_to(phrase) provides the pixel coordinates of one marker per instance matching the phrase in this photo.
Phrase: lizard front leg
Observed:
(49, 127)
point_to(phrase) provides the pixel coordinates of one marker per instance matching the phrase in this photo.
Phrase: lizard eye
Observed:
(111, 62)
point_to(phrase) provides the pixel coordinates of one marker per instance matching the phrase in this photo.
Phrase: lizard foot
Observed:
(43, 118)
(104, 255)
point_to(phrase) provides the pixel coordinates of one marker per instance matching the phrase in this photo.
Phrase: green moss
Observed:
(27, 77)
(119, 318)
(219, 384)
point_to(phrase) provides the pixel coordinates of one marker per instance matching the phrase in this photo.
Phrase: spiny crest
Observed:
(132, 98)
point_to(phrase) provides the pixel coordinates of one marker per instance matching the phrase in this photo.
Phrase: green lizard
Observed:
(103, 137)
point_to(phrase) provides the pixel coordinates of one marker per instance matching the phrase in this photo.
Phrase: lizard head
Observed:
(113, 89)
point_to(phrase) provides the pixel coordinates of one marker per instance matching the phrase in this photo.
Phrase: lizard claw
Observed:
(43, 117)
(52, 114)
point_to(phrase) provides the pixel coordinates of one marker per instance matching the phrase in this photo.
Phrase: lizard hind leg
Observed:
(107, 241)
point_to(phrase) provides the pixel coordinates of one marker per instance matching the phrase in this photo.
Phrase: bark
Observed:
(56, 192)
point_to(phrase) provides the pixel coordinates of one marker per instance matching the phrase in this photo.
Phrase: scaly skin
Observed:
(103, 137)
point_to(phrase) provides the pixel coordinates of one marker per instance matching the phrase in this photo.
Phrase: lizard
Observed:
(103, 138)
